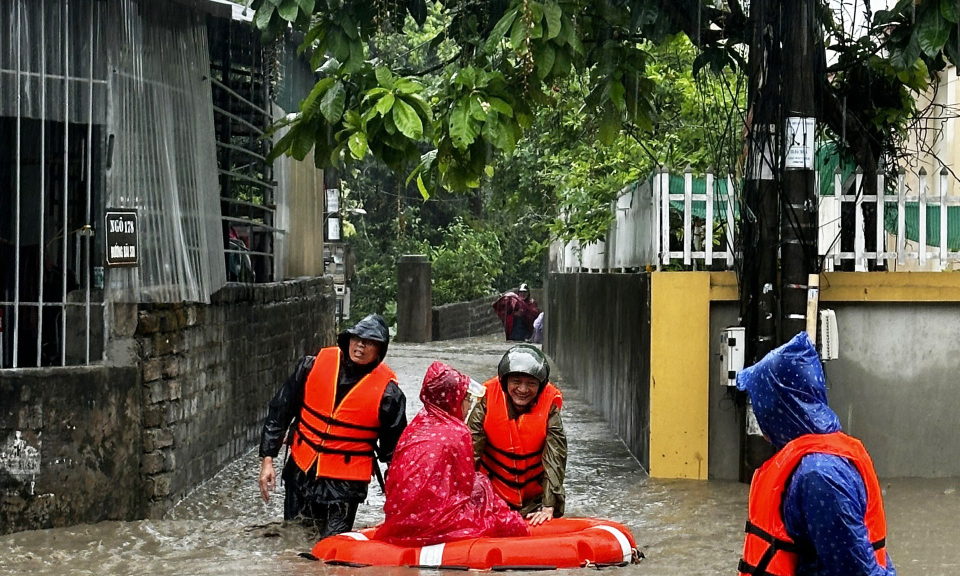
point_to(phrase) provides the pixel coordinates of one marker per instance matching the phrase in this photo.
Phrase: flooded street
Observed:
(683, 527)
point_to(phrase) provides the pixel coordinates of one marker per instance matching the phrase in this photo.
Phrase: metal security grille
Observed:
(241, 104)
(52, 89)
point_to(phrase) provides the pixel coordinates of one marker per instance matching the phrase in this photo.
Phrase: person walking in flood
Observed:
(517, 312)
(346, 408)
(518, 436)
(434, 493)
(815, 507)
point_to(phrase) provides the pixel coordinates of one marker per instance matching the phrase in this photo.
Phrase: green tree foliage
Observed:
(565, 172)
(507, 56)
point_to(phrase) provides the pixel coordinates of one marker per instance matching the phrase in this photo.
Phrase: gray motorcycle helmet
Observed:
(524, 359)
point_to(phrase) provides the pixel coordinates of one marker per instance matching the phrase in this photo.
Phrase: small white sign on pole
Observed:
(799, 143)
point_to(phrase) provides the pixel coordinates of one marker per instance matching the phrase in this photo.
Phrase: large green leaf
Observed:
(289, 10)
(407, 120)
(547, 55)
(384, 77)
(500, 106)
(262, 19)
(519, 33)
(307, 5)
(303, 142)
(385, 104)
(405, 86)
(311, 104)
(950, 9)
(463, 129)
(358, 145)
(333, 102)
(554, 15)
(500, 30)
(933, 31)
(904, 58)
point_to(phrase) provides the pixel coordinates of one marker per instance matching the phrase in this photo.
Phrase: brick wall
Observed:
(474, 318)
(209, 371)
(465, 319)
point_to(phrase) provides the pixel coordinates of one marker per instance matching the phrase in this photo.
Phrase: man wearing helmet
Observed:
(343, 403)
(518, 437)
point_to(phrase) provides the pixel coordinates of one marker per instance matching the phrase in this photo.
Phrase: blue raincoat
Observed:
(826, 499)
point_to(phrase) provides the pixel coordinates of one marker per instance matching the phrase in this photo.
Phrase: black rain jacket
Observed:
(287, 403)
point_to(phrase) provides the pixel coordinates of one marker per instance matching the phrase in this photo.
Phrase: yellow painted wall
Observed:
(863, 286)
(679, 373)
(680, 348)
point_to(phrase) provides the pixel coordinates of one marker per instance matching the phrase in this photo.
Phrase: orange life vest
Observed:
(513, 454)
(768, 549)
(339, 441)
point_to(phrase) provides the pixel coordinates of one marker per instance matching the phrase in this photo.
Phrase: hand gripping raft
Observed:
(560, 543)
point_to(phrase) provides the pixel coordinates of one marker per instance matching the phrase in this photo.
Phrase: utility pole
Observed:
(780, 215)
(760, 216)
(798, 218)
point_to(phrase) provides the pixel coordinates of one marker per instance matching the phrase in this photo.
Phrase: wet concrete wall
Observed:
(724, 435)
(597, 332)
(209, 372)
(895, 385)
(70, 446)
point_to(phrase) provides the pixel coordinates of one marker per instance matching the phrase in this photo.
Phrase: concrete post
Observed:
(414, 314)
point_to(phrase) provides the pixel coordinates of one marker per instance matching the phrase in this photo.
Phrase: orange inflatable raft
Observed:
(560, 543)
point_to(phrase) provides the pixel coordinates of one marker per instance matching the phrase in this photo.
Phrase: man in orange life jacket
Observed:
(815, 506)
(343, 403)
(518, 437)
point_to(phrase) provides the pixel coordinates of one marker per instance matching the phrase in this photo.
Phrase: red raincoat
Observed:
(510, 308)
(433, 492)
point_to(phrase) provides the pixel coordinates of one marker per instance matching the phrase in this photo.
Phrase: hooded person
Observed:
(517, 312)
(338, 411)
(815, 507)
(433, 492)
(518, 436)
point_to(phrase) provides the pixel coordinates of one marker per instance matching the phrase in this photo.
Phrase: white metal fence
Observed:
(683, 220)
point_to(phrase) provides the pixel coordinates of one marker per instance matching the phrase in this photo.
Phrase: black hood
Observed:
(373, 327)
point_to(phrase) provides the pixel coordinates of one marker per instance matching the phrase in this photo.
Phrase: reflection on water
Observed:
(684, 527)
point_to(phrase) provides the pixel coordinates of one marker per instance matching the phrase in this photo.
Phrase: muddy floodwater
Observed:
(683, 527)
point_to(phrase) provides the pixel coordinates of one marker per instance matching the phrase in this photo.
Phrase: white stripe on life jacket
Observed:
(355, 535)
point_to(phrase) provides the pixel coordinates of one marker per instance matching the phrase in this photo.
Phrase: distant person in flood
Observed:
(346, 409)
(517, 311)
(434, 493)
(518, 436)
(815, 506)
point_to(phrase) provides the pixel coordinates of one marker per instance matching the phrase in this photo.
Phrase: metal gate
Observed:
(52, 87)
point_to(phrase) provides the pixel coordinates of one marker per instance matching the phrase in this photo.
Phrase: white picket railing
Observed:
(911, 189)
(705, 253)
(641, 232)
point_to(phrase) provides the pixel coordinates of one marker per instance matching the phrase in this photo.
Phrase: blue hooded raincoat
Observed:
(826, 500)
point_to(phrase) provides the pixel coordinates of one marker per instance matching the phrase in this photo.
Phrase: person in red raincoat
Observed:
(517, 312)
(433, 492)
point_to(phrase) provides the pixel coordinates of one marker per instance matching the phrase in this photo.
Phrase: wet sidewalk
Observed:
(683, 527)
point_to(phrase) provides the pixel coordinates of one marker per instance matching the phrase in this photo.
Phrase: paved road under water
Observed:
(683, 527)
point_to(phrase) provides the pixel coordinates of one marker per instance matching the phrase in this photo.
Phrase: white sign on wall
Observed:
(799, 143)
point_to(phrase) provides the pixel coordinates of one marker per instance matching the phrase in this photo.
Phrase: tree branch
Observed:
(437, 66)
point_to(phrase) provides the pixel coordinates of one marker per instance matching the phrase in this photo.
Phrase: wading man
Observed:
(345, 408)
(518, 437)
